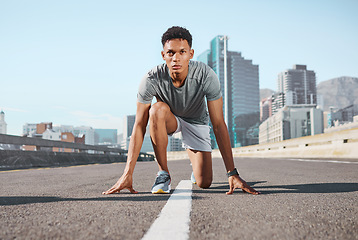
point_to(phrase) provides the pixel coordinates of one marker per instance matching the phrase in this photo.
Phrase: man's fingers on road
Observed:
(114, 190)
(107, 192)
(250, 190)
(111, 190)
(232, 188)
(246, 189)
(132, 190)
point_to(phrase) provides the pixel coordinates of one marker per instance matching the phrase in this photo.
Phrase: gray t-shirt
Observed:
(188, 101)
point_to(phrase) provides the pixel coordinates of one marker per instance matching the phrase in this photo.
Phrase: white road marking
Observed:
(173, 221)
(322, 161)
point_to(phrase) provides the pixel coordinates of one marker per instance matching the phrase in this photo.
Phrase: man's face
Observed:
(177, 53)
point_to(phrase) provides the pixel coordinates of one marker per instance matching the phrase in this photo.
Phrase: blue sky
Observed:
(80, 62)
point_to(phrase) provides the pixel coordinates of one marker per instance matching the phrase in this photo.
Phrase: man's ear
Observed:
(162, 52)
(191, 53)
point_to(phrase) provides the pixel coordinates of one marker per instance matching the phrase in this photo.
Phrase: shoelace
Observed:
(162, 178)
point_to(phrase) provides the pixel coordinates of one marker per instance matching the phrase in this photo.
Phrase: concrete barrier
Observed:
(10, 159)
(335, 145)
(16, 159)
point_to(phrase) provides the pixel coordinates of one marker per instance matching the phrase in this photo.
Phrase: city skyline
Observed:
(81, 63)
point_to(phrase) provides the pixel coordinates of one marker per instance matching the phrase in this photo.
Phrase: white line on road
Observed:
(173, 221)
(322, 161)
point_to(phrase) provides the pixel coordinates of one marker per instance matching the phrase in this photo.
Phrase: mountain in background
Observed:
(266, 92)
(339, 92)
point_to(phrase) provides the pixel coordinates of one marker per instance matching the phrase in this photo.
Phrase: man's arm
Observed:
(135, 144)
(223, 139)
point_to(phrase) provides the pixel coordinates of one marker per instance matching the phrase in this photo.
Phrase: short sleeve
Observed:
(212, 88)
(146, 90)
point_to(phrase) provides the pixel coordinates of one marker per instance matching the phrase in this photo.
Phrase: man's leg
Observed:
(161, 123)
(202, 167)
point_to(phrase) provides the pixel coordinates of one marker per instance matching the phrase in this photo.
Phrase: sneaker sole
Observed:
(160, 191)
(192, 179)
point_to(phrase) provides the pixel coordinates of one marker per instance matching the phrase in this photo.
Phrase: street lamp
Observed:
(226, 102)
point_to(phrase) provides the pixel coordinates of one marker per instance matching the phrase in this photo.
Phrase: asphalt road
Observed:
(299, 200)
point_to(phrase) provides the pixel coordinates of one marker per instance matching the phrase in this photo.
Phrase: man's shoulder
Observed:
(199, 70)
(158, 71)
(197, 65)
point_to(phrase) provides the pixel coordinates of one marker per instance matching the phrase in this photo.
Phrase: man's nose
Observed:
(176, 57)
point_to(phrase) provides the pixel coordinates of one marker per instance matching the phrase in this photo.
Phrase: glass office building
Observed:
(243, 91)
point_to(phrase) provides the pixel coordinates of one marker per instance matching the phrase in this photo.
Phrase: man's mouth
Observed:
(176, 66)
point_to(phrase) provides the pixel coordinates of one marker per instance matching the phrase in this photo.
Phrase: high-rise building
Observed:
(239, 80)
(278, 102)
(294, 107)
(292, 122)
(298, 84)
(265, 108)
(3, 125)
(128, 123)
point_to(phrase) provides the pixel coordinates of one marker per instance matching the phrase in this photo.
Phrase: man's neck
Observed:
(178, 79)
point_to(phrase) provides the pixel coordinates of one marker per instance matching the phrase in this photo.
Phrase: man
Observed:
(180, 87)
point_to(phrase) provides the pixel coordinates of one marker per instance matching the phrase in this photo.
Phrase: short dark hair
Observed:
(177, 32)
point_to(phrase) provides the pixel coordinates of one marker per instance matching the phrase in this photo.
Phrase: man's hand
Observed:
(124, 182)
(237, 182)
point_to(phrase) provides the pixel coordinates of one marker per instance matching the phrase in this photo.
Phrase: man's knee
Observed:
(204, 183)
(158, 110)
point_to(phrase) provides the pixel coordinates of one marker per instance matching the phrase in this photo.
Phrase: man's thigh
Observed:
(202, 167)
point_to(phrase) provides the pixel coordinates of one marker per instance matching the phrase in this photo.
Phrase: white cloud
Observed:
(60, 107)
(13, 109)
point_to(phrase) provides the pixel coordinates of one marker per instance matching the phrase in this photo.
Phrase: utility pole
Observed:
(226, 91)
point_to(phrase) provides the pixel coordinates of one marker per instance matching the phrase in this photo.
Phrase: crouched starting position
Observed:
(180, 87)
